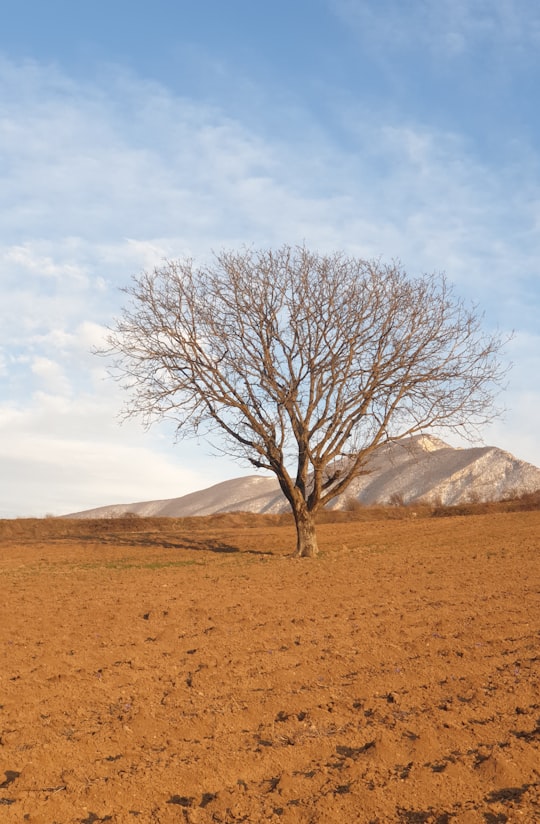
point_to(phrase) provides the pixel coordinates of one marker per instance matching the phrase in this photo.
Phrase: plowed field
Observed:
(167, 673)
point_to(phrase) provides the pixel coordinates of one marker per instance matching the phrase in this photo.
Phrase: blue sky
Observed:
(131, 131)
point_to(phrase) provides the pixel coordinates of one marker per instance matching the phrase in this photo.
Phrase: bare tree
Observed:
(303, 363)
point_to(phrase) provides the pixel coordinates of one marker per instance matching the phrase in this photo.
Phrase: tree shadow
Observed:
(218, 547)
(187, 544)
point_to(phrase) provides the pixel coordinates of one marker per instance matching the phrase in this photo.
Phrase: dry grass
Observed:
(96, 528)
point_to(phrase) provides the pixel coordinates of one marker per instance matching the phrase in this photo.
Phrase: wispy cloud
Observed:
(446, 28)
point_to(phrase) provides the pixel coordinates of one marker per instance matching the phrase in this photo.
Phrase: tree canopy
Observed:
(303, 363)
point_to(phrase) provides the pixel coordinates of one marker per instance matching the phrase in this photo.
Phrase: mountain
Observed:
(421, 468)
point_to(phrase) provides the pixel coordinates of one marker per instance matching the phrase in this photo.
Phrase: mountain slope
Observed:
(423, 468)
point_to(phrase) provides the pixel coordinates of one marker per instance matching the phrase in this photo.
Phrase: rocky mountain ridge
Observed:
(422, 468)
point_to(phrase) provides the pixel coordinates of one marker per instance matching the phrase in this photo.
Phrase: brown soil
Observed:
(181, 672)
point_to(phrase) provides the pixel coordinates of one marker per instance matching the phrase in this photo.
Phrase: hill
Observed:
(421, 469)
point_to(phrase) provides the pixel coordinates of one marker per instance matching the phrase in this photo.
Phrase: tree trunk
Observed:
(306, 535)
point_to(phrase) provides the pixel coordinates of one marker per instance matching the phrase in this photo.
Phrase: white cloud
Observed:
(51, 375)
(446, 28)
(62, 454)
(27, 258)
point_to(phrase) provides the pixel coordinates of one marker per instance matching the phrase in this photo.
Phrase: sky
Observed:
(132, 132)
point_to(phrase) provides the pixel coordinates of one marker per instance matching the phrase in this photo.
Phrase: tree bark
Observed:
(306, 535)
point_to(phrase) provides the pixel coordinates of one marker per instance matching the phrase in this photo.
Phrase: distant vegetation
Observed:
(522, 503)
(102, 528)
